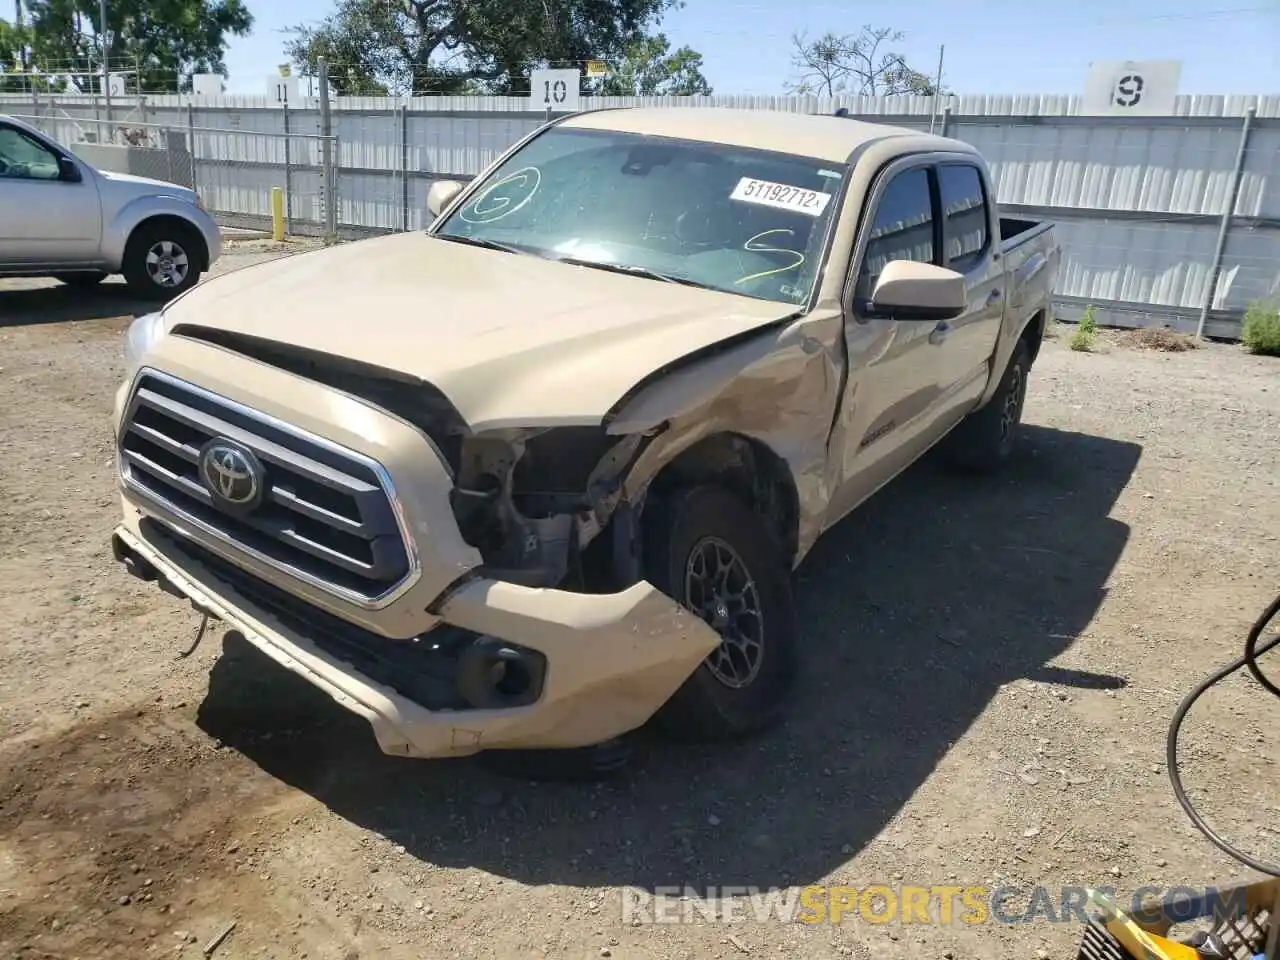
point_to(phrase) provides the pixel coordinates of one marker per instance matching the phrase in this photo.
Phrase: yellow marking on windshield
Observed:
(754, 246)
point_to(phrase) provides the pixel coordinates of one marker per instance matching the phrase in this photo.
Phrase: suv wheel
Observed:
(162, 260)
(707, 550)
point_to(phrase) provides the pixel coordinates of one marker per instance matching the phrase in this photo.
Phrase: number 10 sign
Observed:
(554, 90)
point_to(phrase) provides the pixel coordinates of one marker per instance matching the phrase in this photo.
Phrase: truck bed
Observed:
(1014, 231)
(1031, 255)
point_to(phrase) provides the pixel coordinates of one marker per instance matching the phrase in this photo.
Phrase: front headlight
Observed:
(143, 334)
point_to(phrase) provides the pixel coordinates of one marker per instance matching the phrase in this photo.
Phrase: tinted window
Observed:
(902, 228)
(964, 210)
(23, 158)
(730, 218)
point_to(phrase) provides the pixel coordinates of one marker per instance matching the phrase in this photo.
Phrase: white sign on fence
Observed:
(555, 90)
(206, 85)
(117, 84)
(1131, 88)
(282, 89)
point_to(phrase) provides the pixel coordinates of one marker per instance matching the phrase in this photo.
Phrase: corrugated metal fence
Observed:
(1161, 218)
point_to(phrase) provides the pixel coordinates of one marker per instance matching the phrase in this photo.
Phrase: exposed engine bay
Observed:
(530, 500)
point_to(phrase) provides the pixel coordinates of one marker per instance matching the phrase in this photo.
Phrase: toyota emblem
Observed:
(232, 475)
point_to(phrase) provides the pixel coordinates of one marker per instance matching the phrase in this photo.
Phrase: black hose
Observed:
(1250, 660)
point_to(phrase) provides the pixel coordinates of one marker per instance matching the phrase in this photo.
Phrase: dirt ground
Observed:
(991, 668)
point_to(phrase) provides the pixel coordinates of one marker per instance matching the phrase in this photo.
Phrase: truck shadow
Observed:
(917, 609)
(59, 303)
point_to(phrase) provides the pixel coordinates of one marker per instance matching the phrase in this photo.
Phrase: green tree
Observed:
(650, 69)
(166, 41)
(12, 44)
(855, 63)
(465, 46)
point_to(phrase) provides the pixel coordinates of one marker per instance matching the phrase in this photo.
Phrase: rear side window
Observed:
(964, 215)
(902, 228)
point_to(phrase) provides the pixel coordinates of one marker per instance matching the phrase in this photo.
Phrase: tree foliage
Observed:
(466, 46)
(12, 41)
(649, 68)
(855, 63)
(166, 41)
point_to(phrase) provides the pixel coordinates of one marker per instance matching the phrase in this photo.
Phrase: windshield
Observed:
(743, 221)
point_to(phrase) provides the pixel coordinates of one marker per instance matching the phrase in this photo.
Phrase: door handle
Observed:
(993, 297)
(939, 333)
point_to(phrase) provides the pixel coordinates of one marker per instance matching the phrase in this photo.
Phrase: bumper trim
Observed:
(613, 660)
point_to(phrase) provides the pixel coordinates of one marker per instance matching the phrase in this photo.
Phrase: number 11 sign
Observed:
(555, 91)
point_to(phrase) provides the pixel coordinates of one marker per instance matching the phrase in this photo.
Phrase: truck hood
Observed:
(511, 340)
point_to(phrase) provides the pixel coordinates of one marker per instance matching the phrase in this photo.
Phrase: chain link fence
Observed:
(232, 170)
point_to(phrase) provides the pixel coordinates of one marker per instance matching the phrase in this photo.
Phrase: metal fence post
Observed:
(1224, 228)
(288, 173)
(404, 166)
(191, 143)
(328, 153)
(331, 217)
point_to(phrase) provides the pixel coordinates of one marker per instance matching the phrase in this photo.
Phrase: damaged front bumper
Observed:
(415, 633)
(592, 666)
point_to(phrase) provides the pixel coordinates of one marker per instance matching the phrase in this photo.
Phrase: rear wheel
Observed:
(986, 440)
(87, 278)
(162, 260)
(712, 554)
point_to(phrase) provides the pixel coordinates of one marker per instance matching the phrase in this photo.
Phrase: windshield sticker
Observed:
(780, 196)
(503, 198)
(754, 245)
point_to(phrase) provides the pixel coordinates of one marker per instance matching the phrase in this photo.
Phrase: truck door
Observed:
(971, 249)
(893, 368)
(44, 219)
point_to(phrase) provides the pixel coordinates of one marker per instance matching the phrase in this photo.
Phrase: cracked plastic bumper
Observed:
(612, 659)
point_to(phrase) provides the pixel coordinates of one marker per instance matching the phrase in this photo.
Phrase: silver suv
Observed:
(63, 218)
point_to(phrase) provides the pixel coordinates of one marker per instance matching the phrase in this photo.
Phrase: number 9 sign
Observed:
(1128, 91)
(554, 90)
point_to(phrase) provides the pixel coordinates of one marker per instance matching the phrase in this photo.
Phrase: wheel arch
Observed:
(172, 221)
(747, 467)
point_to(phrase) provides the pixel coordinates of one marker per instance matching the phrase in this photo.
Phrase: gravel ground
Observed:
(991, 668)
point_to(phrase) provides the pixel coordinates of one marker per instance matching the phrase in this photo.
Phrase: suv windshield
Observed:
(743, 221)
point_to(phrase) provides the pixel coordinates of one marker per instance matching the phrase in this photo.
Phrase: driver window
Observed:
(22, 158)
(902, 228)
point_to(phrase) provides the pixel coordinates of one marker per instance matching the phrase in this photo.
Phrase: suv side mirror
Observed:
(907, 290)
(441, 194)
(69, 170)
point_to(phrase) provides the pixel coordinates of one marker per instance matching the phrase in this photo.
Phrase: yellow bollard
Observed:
(277, 214)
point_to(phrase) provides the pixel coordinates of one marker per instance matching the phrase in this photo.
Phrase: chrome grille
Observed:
(326, 513)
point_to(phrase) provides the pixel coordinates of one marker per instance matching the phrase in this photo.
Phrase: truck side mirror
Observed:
(69, 170)
(908, 290)
(441, 195)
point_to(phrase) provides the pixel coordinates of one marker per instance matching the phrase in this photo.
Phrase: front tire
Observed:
(986, 440)
(708, 551)
(162, 260)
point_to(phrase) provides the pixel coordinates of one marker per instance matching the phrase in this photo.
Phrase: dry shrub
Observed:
(1162, 338)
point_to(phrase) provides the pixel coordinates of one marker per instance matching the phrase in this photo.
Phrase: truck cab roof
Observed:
(825, 137)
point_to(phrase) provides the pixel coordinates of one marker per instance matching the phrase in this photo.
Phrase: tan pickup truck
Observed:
(540, 473)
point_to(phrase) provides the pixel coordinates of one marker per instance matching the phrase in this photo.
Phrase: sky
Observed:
(997, 47)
